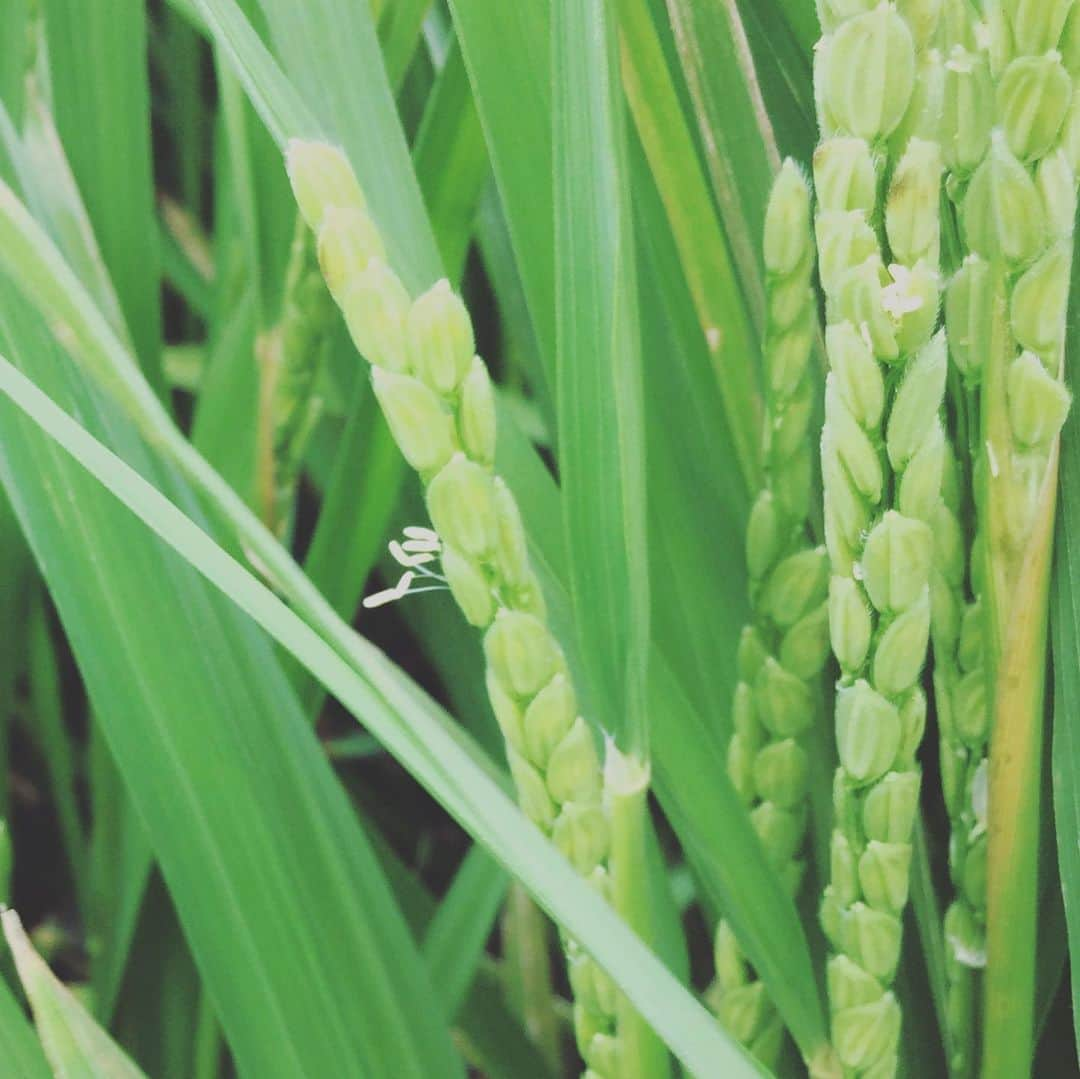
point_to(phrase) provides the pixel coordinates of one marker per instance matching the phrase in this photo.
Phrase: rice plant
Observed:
(540, 539)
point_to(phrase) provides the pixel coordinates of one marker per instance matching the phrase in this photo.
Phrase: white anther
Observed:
(389, 595)
(403, 558)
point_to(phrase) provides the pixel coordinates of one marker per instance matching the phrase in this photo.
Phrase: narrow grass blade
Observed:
(19, 1048)
(110, 868)
(494, 1040)
(255, 837)
(699, 598)
(454, 939)
(488, 1022)
(1053, 953)
(74, 1043)
(921, 1050)
(399, 713)
(119, 865)
(601, 451)
(1065, 616)
(15, 55)
(261, 202)
(777, 31)
(797, 16)
(520, 346)
(926, 911)
(739, 146)
(273, 97)
(225, 423)
(507, 55)
(599, 386)
(98, 68)
(503, 51)
(330, 52)
(188, 278)
(399, 32)
(1067, 726)
(728, 304)
(179, 50)
(255, 214)
(44, 173)
(163, 1016)
(451, 161)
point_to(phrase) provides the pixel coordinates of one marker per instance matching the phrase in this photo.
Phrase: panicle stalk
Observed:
(879, 82)
(784, 648)
(437, 398)
(963, 714)
(292, 360)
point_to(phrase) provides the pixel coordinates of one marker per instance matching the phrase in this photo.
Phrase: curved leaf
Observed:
(76, 1046)
(281, 899)
(411, 727)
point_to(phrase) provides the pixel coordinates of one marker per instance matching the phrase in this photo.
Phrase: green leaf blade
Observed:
(255, 839)
(75, 1045)
(1065, 631)
(598, 358)
(424, 741)
(99, 72)
(20, 1050)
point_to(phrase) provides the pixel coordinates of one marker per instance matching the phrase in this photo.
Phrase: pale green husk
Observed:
(437, 399)
(877, 175)
(1013, 128)
(785, 647)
